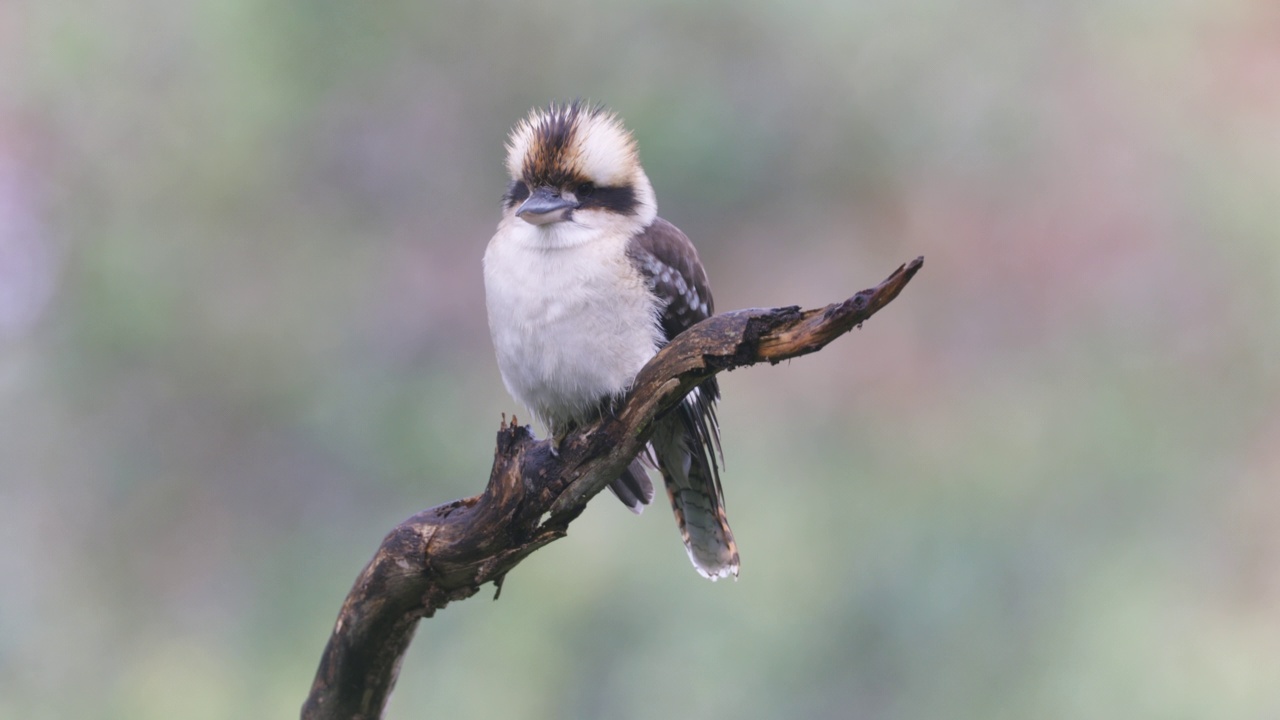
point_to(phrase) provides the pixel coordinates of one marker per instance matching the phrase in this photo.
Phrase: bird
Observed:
(584, 283)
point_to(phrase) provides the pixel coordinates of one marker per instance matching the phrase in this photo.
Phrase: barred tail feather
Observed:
(707, 537)
(685, 444)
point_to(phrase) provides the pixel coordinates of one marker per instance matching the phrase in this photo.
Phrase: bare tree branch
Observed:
(446, 553)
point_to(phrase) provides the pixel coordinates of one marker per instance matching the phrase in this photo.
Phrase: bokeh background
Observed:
(242, 335)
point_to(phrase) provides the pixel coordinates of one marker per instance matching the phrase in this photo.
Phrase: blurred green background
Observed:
(242, 335)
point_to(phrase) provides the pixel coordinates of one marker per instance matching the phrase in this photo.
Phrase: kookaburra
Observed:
(584, 284)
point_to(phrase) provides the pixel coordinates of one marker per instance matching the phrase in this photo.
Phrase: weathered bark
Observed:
(446, 553)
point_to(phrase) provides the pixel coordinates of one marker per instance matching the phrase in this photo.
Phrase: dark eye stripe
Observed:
(621, 200)
(517, 192)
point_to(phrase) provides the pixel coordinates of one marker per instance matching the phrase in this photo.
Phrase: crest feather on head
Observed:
(563, 145)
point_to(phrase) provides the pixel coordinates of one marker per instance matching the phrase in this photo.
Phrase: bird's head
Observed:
(576, 165)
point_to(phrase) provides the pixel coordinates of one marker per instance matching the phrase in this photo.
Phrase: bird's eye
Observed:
(584, 190)
(517, 191)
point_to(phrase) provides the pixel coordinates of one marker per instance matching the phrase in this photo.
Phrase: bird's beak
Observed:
(545, 206)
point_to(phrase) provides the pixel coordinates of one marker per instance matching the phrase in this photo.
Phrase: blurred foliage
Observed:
(242, 335)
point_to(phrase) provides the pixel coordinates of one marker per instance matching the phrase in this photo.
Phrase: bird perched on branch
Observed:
(584, 284)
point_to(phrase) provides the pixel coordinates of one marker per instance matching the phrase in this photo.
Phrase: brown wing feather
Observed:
(670, 263)
(687, 450)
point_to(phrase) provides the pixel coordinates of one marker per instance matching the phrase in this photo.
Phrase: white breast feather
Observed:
(572, 321)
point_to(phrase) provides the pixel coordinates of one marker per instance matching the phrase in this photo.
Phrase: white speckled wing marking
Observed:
(666, 257)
